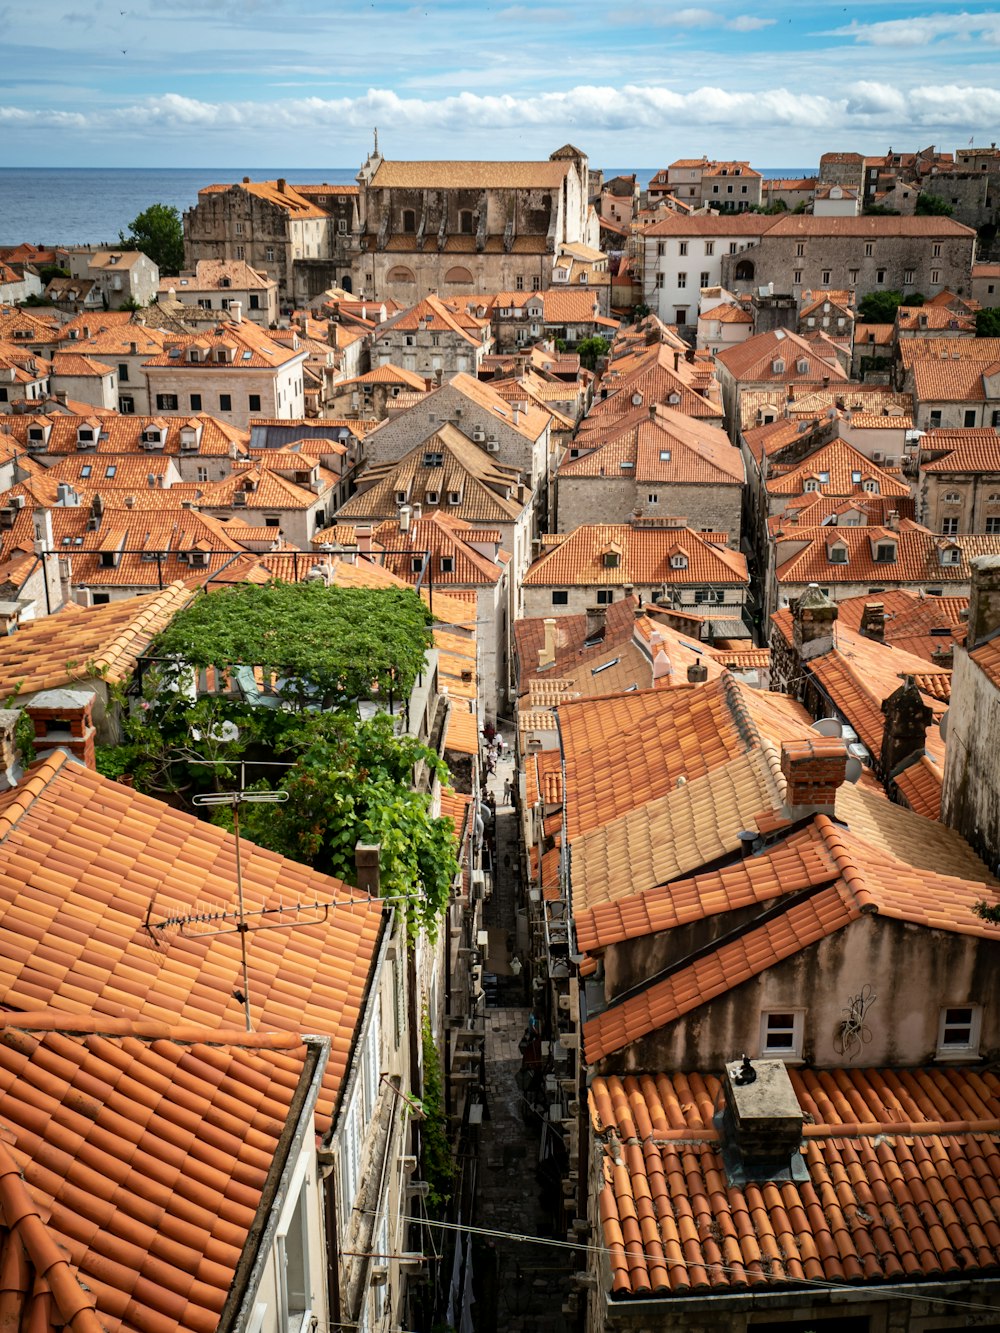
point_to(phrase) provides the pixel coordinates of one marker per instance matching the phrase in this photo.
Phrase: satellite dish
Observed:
(943, 724)
(637, 400)
(827, 726)
(854, 769)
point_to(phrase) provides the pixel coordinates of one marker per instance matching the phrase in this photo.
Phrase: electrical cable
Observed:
(821, 1284)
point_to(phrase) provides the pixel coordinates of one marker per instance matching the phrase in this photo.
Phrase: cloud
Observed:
(748, 23)
(922, 30)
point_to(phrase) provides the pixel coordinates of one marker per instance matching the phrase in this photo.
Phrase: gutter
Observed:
(238, 1309)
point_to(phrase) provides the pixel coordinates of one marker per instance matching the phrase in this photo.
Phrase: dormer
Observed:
(884, 550)
(802, 366)
(836, 552)
(611, 556)
(86, 435)
(870, 486)
(194, 355)
(153, 436)
(811, 484)
(454, 497)
(190, 436)
(38, 434)
(224, 355)
(778, 366)
(949, 553)
(678, 558)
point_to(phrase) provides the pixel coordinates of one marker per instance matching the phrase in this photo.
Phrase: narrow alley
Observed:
(519, 1286)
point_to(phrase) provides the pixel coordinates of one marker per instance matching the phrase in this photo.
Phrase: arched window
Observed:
(465, 222)
(345, 283)
(744, 271)
(460, 276)
(400, 274)
(409, 221)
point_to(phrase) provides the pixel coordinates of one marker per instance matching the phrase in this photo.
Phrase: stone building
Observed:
(683, 255)
(433, 339)
(301, 236)
(450, 227)
(858, 254)
(216, 284)
(958, 487)
(842, 169)
(121, 276)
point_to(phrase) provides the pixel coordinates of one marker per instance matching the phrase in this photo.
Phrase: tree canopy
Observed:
(881, 307)
(988, 322)
(347, 643)
(591, 349)
(932, 205)
(157, 231)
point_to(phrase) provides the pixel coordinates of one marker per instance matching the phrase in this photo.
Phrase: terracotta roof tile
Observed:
(90, 861)
(646, 549)
(917, 1204)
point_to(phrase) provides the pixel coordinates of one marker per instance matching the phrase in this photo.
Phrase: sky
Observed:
(193, 83)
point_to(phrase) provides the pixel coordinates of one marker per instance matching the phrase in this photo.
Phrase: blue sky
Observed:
(302, 82)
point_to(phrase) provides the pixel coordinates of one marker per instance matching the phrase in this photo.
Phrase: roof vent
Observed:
(760, 1123)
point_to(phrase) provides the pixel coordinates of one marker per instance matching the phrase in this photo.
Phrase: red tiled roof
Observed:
(133, 1167)
(646, 553)
(903, 1168)
(846, 469)
(918, 556)
(86, 863)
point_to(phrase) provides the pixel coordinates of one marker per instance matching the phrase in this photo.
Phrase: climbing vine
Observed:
(438, 1167)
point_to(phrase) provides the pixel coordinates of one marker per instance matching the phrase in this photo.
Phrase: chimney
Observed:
(812, 623)
(62, 721)
(60, 396)
(677, 361)
(907, 718)
(813, 769)
(892, 522)
(246, 180)
(697, 673)
(984, 599)
(366, 862)
(652, 411)
(873, 621)
(760, 1123)
(597, 622)
(11, 769)
(438, 375)
(418, 511)
(133, 349)
(404, 518)
(363, 537)
(547, 653)
(282, 183)
(236, 311)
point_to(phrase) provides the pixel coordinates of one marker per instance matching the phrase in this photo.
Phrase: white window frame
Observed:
(791, 1051)
(954, 1050)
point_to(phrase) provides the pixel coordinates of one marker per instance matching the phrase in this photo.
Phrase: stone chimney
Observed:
(873, 621)
(697, 673)
(907, 718)
(363, 537)
(813, 769)
(62, 721)
(812, 623)
(236, 311)
(547, 653)
(282, 184)
(597, 622)
(984, 599)
(892, 521)
(366, 862)
(11, 769)
(760, 1123)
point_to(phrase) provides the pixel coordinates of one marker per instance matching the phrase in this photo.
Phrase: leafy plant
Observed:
(932, 205)
(988, 322)
(881, 307)
(591, 349)
(437, 1164)
(158, 232)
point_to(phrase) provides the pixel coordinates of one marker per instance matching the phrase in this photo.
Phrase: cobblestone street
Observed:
(519, 1287)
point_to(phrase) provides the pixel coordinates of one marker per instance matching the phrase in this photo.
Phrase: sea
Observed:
(90, 206)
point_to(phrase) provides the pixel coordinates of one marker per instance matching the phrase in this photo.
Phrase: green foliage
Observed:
(801, 206)
(437, 1164)
(881, 307)
(591, 349)
(988, 323)
(35, 299)
(49, 271)
(337, 643)
(560, 344)
(987, 912)
(157, 231)
(932, 206)
(131, 304)
(353, 782)
(779, 206)
(880, 211)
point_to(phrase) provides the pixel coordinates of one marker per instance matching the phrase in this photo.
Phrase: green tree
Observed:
(988, 323)
(881, 307)
(880, 211)
(932, 206)
(591, 349)
(158, 233)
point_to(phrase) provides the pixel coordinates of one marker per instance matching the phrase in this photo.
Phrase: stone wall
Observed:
(616, 499)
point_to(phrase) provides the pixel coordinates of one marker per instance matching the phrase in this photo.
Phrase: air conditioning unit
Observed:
(492, 446)
(877, 457)
(16, 502)
(240, 499)
(479, 435)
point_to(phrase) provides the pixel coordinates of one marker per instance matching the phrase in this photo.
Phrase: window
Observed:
(837, 555)
(885, 553)
(995, 419)
(196, 402)
(949, 526)
(958, 1030)
(293, 1266)
(935, 419)
(970, 416)
(240, 252)
(661, 249)
(465, 222)
(908, 276)
(254, 402)
(254, 301)
(225, 402)
(800, 250)
(126, 405)
(166, 402)
(202, 474)
(519, 282)
(952, 498)
(659, 282)
(447, 564)
(123, 372)
(239, 229)
(743, 189)
(703, 595)
(434, 459)
(852, 274)
(342, 224)
(682, 248)
(560, 597)
(709, 247)
(781, 1032)
(704, 279)
(826, 277)
(682, 279)
(732, 247)
(653, 498)
(951, 556)
(935, 275)
(680, 315)
(664, 455)
(110, 470)
(993, 525)
(936, 252)
(797, 277)
(605, 596)
(269, 254)
(869, 249)
(409, 221)
(880, 276)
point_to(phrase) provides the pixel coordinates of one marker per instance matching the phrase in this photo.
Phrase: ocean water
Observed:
(88, 206)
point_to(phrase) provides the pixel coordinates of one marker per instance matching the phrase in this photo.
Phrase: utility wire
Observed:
(659, 1260)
